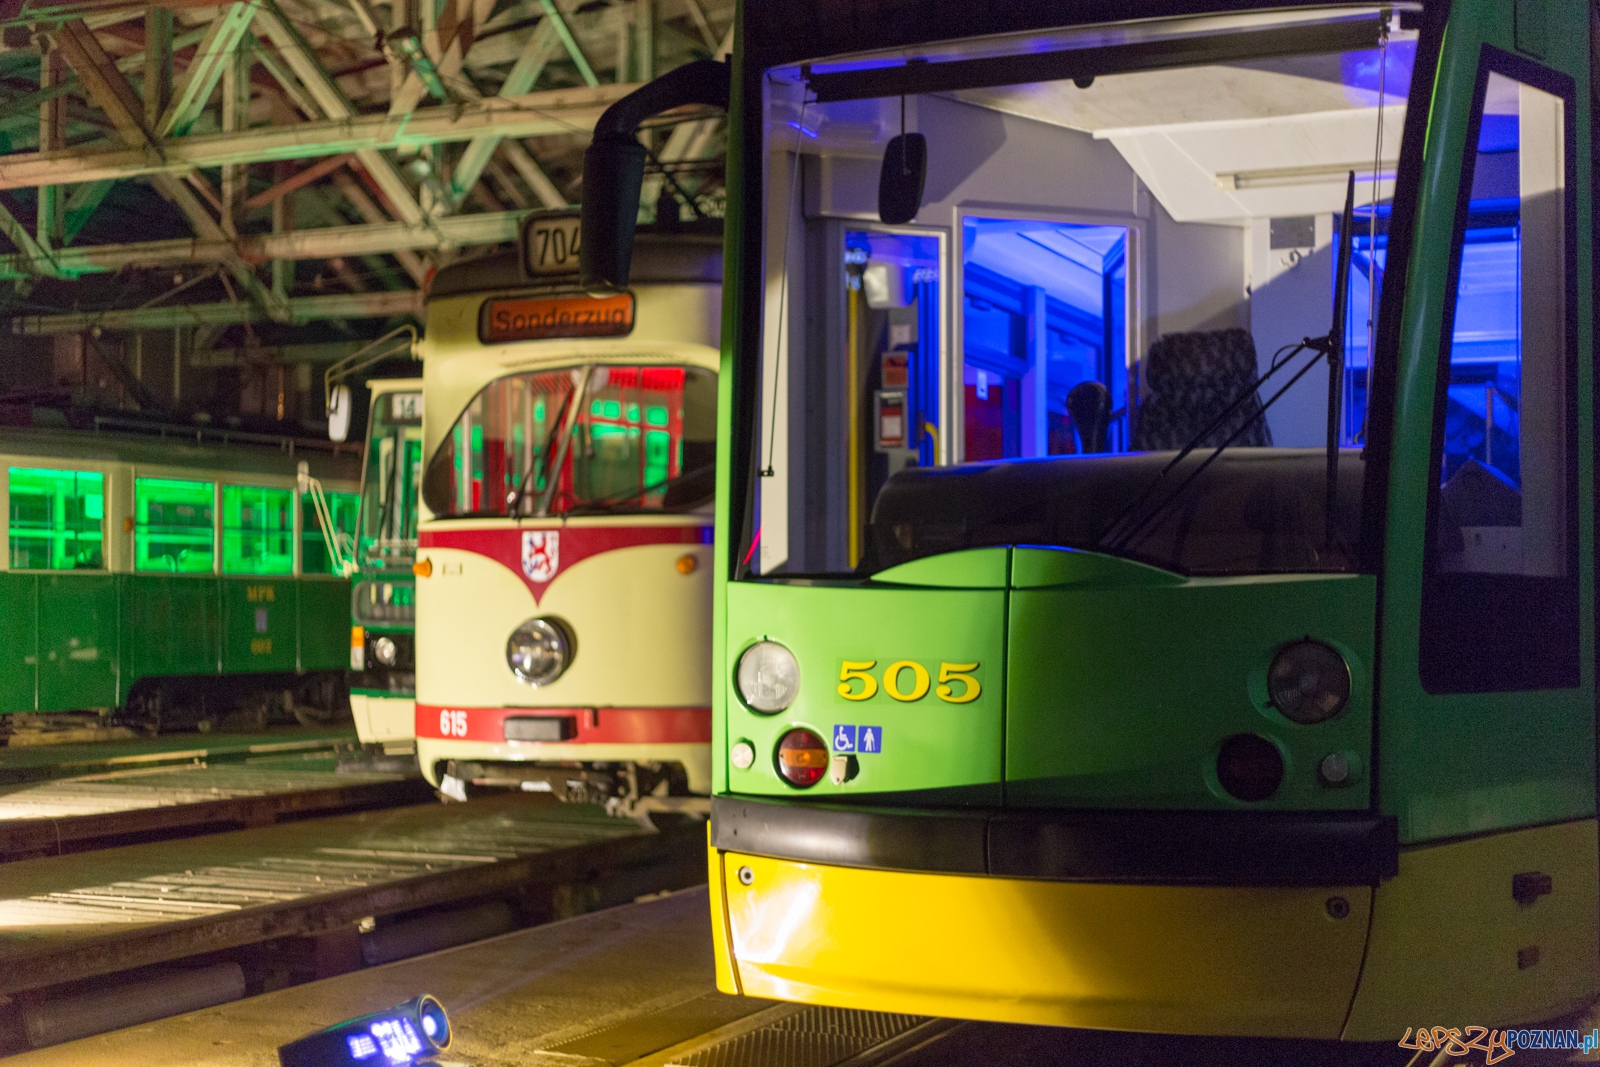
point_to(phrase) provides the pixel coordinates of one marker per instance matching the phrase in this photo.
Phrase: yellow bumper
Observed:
(1450, 945)
(1119, 957)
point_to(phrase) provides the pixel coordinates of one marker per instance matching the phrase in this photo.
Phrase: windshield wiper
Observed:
(541, 457)
(568, 417)
(1119, 536)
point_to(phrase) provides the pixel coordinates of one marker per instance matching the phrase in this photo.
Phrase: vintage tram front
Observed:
(1183, 710)
(564, 581)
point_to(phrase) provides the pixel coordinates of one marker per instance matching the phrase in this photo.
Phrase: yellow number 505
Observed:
(853, 671)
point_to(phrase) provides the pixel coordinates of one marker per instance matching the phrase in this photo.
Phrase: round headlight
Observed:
(1308, 682)
(538, 651)
(383, 650)
(769, 677)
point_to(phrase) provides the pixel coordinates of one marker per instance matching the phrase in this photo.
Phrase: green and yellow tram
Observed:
(173, 580)
(1156, 517)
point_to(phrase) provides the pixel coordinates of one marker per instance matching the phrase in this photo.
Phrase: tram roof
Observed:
(180, 448)
(658, 259)
(784, 31)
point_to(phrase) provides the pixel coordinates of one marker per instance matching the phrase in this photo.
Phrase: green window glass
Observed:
(57, 519)
(173, 525)
(344, 508)
(257, 530)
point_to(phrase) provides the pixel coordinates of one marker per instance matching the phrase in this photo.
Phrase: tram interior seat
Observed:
(1193, 377)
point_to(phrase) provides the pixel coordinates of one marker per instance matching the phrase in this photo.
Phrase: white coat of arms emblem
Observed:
(541, 554)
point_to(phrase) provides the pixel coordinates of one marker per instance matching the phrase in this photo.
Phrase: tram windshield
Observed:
(585, 440)
(389, 494)
(1118, 230)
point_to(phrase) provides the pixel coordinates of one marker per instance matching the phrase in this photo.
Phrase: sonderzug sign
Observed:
(541, 318)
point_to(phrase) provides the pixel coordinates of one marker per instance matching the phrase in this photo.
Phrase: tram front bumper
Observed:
(1248, 958)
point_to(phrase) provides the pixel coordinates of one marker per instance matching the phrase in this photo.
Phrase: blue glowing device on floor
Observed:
(413, 1032)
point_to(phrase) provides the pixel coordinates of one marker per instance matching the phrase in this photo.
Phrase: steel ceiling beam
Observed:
(300, 57)
(211, 58)
(553, 112)
(325, 242)
(110, 89)
(301, 309)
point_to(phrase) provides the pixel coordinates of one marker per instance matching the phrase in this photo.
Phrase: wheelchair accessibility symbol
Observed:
(867, 740)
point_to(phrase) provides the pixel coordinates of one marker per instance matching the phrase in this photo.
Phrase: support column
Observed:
(52, 138)
(157, 64)
(282, 222)
(235, 108)
(1035, 438)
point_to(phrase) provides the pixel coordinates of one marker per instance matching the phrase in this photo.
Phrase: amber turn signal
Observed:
(802, 758)
(422, 568)
(687, 564)
(358, 636)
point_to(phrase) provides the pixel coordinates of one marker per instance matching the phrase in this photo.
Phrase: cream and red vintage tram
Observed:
(564, 588)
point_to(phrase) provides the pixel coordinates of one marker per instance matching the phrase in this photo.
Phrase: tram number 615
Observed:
(907, 681)
(453, 723)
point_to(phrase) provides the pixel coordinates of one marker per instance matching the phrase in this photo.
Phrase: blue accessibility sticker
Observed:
(844, 738)
(870, 739)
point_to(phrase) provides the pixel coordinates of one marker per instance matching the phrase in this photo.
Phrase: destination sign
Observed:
(543, 318)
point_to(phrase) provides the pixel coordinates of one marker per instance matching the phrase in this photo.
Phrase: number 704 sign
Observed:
(550, 244)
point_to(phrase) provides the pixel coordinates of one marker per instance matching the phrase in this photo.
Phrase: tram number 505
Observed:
(453, 723)
(907, 681)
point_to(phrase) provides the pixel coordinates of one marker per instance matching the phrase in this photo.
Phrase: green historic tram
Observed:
(1156, 518)
(383, 599)
(178, 580)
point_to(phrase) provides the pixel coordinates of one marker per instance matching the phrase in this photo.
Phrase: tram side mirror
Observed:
(339, 412)
(901, 180)
(613, 178)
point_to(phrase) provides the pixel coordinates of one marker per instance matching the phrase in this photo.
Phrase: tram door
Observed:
(1486, 739)
(1044, 310)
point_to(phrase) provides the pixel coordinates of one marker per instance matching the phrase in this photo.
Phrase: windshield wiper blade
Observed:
(1329, 347)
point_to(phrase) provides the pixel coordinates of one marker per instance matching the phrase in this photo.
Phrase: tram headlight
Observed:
(768, 677)
(384, 651)
(539, 650)
(1308, 682)
(802, 758)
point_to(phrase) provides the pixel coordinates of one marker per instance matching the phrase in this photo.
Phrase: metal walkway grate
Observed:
(266, 880)
(812, 1037)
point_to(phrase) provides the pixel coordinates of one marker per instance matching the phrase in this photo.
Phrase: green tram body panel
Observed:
(1096, 693)
(85, 638)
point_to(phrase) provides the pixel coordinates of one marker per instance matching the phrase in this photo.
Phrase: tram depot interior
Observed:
(1066, 231)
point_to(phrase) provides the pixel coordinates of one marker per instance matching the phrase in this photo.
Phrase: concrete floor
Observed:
(631, 985)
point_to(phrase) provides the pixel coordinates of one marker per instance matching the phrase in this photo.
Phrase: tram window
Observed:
(393, 468)
(1502, 568)
(580, 440)
(257, 530)
(173, 525)
(57, 519)
(1130, 253)
(343, 507)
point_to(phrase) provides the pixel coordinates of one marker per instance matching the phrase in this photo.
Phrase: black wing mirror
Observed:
(613, 167)
(900, 182)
